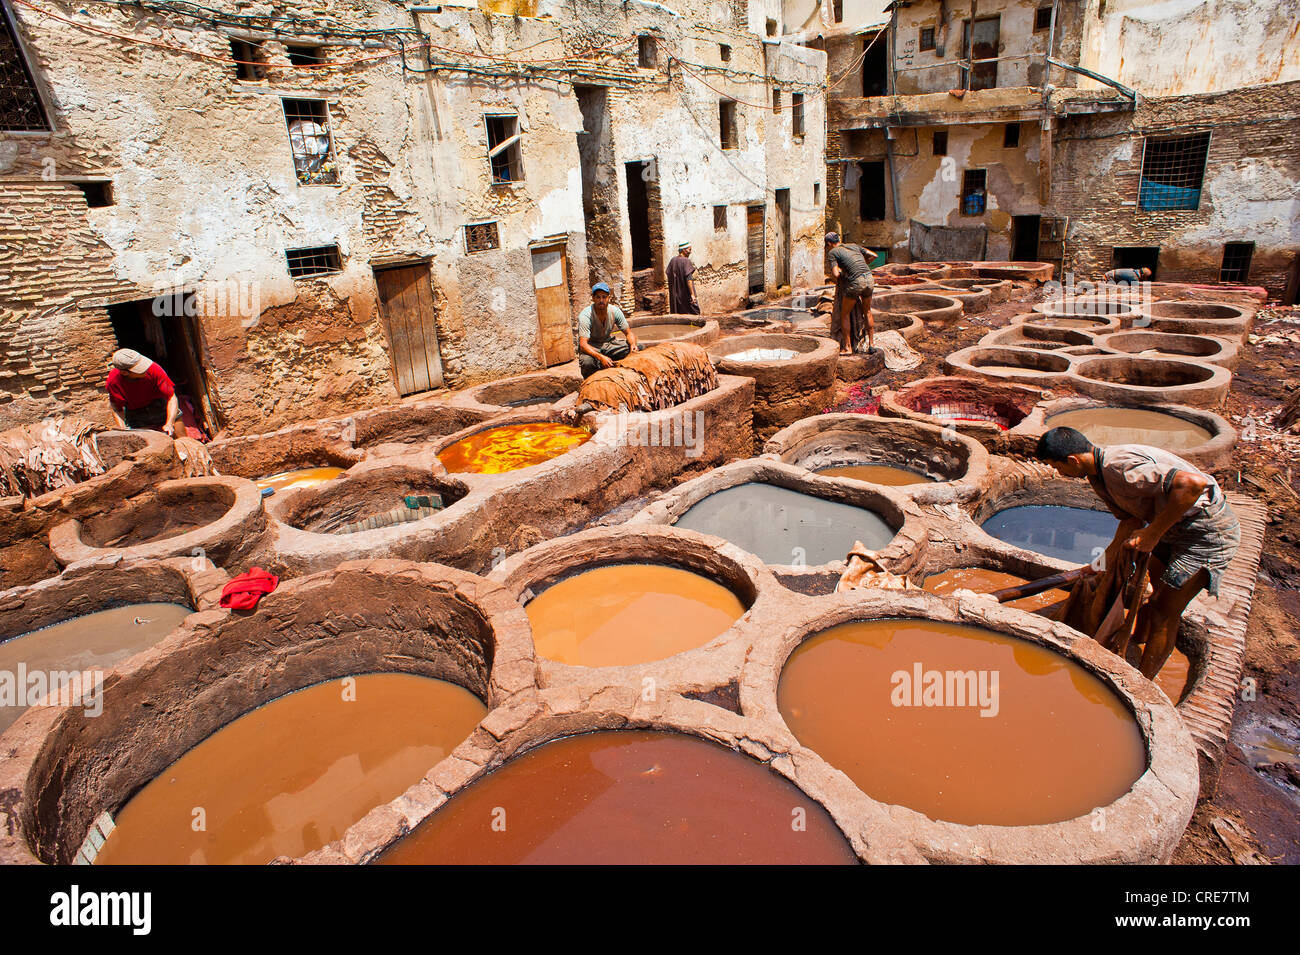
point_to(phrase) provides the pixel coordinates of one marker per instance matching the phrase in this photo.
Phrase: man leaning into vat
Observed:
(851, 269)
(1168, 509)
(597, 325)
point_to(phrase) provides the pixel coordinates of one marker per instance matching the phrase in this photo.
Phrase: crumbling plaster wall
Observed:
(1251, 191)
(929, 186)
(1178, 47)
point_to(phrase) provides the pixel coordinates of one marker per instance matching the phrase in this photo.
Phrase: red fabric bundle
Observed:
(243, 592)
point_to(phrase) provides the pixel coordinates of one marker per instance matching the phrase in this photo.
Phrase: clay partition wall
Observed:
(785, 390)
(965, 397)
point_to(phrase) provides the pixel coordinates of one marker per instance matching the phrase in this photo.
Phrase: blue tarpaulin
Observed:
(1157, 195)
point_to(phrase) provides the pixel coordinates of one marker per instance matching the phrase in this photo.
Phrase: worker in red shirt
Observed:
(140, 393)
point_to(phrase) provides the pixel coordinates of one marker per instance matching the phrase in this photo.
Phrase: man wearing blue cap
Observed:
(597, 325)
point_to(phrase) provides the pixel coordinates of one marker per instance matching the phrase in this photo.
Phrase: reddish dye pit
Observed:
(292, 775)
(627, 798)
(510, 447)
(984, 581)
(1056, 744)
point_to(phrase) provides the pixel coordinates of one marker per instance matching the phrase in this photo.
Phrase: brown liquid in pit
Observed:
(1173, 676)
(302, 477)
(292, 775)
(510, 447)
(626, 797)
(1060, 745)
(96, 641)
(629, 613)
(877, 474)
(984, 581)
(1105, 426)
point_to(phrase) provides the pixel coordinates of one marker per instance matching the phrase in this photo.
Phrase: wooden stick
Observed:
(1037, 586)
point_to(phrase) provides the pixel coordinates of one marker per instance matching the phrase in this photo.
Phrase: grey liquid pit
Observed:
(1066, 533)
(96, 641)
(781, 526)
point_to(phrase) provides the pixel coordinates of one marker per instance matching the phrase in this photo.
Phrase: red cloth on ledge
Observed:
(243, 592)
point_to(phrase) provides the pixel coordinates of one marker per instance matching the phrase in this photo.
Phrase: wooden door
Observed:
(1051, 243)
(782, 237)
(554, 327)
(757, 249)
(406, 300)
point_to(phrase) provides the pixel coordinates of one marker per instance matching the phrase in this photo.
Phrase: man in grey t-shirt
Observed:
(597, 325)
(851, 269)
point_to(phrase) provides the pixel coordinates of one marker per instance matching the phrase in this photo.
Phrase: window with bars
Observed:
(796, 114)
(303, 54)
(21, 109)
(974, 183)
(776, 99)
(1173, 170)
(927, 38)
(1011, 136)
(481, 237)
(727, 123)
(719, 218)
(317, 260)
(645, 52)
(1042, 19)
(940, 147)
(724, 52)
(1236, 262)
(503, 149)
(309, 138)
(250, 61)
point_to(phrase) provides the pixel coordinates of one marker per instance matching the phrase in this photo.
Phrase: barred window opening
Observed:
(316, 260)
(481, 236)
(309, 138)
(503, 149)
(21, 109)
(1173, 170)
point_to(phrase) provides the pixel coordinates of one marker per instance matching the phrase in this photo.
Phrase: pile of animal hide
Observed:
(51, 454)
(659, 377)
(864, 570)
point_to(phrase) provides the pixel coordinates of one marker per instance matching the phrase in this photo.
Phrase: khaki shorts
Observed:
(860, 286)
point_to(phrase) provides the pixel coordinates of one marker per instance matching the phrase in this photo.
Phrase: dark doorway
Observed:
(1136, 257)
(875, 67)
(638, 216)
(871, 191)
(983, 75)
(1024, 242)
(165, 329)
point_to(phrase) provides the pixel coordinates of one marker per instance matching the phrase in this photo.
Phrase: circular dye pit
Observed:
(171, 510)
(985, 581)
(93, 642)
(511, 447)
(664, 332)
(1038, 739)
(626, 797)
(1103, 426)
(629, 613)
(292, 775)
(877, 474)
(780, 526)
(302, 477)
(1173, 676)
(1074, 534)
(763, 354)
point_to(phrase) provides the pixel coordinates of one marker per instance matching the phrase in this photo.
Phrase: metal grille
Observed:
(973, 185)
(481, 236)
(1042, 19)
(1173, 169)
(927, 38)
(318, 260)
(719, 218)
(503, 149)
(309, 137)
(20, 106)
(1236, 261)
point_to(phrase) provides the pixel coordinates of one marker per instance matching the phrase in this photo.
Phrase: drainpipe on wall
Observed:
(893, 179)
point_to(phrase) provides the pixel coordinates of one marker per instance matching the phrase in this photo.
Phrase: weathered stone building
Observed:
(1090, 133)
(300, 212)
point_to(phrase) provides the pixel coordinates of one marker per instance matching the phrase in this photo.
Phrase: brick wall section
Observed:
(55, 336)
(1250, 184)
